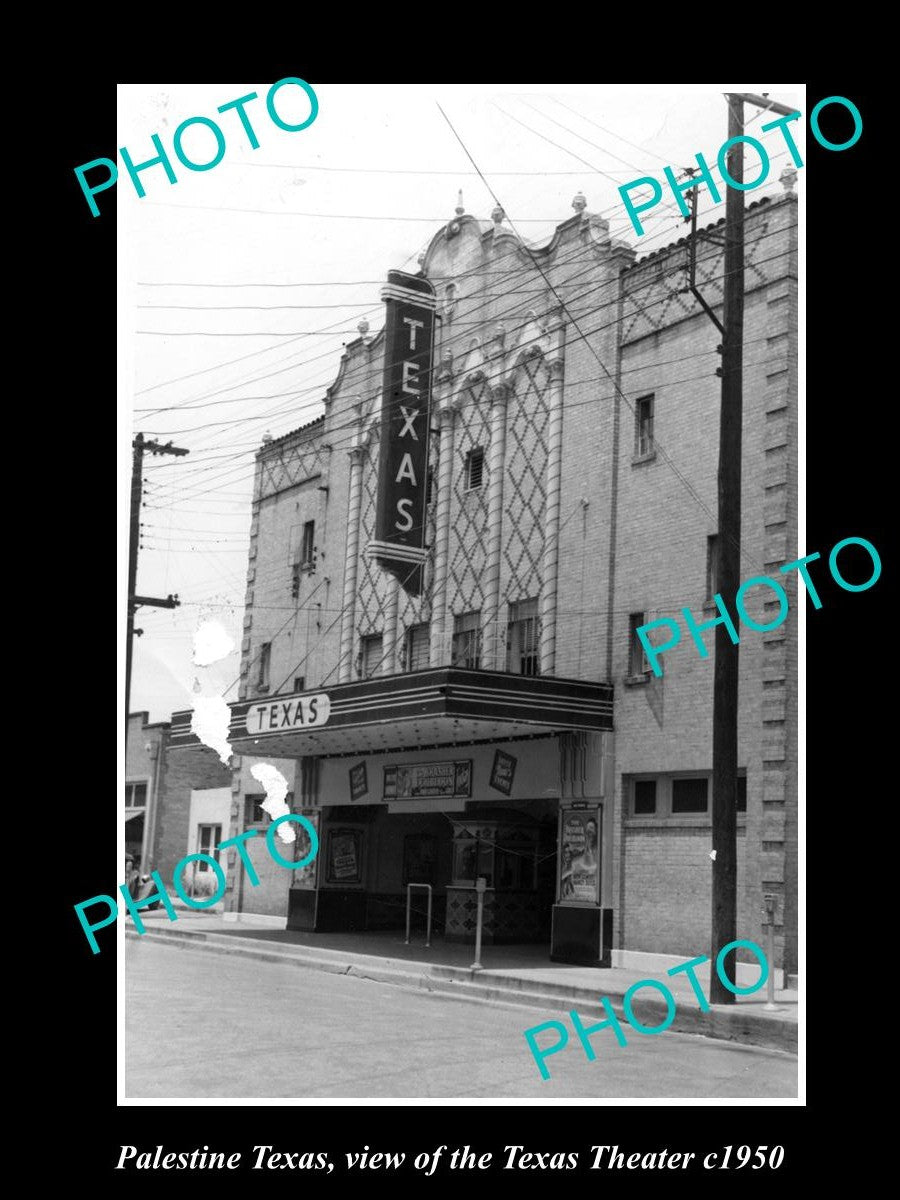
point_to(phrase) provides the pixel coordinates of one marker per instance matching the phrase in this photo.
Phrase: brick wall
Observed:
(668, 890)
(665, 724)
(632, 535)
(181, 771)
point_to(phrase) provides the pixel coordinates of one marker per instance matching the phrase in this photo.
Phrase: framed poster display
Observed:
(344, 857)
(579, 852)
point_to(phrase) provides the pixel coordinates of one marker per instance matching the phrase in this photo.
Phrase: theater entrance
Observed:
(369, 857)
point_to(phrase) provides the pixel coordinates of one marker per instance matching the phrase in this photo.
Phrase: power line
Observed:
(485, 303)
(666, 457)
(271, 212)
(650, 282)
(397, 171)
(618, 136)
(540, 112)
(352, 424)
(221, 333)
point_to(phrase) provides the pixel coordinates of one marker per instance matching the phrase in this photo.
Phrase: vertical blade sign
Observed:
(399, 545)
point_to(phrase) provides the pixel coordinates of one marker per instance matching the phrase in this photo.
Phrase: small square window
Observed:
(265, 658)
(690, 795)
(253, 810)
(644, 797)
(638, 663)
(467, 640)
(418, 647)
(308, 544)
(643, 427)
(474, 469)
(370, 655)
(208, 838)
(523, 638)
(135, 795)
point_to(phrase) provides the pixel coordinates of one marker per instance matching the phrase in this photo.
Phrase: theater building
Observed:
(467, 698)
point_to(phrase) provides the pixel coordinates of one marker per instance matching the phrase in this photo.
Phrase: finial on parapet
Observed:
(788, 179)
(579, 203)
(460, 207)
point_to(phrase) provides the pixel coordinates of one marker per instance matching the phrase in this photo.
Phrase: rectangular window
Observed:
(637, 658)
(370, 655)
(208, 838)
(299, 683)
(690, 795)
(644, 797)
(712, 565)
(670, 797)
(265, 657)
(643, 427)
(467, 640)
(253, 810)
(418, 639)
(522, 638)
(135, 795)
(742, 793)
(308, 544)
(474, 469)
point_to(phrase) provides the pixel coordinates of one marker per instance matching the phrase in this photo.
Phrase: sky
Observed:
(239, 285)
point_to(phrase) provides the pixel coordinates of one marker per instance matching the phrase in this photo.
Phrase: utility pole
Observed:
(141, 447)
(728, 541)
(728, 566)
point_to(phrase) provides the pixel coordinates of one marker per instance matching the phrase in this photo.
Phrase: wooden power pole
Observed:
(141, 447)
(728, 543)
(728, 567)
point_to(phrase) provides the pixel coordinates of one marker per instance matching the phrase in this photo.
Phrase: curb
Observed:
(735, 1024)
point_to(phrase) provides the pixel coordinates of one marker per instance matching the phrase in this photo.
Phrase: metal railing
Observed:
(409, 888)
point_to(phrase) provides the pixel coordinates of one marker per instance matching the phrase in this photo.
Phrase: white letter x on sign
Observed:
(409, 415)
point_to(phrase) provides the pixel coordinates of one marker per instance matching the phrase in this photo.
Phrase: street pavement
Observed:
(201, 1026)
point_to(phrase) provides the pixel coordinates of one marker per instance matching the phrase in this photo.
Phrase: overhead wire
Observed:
(498, 316)
(591, 331)
(665, 456)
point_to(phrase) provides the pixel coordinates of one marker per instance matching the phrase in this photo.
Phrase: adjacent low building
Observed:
(176, 803)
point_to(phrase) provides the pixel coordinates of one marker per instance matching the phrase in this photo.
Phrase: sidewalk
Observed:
(510, 975)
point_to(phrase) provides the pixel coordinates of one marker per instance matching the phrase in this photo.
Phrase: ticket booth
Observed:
(509, 854)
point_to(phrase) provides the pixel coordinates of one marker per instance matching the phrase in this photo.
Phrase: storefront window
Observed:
(473, 856)
(505, 855)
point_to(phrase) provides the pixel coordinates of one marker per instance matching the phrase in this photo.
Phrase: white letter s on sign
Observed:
(407, 516)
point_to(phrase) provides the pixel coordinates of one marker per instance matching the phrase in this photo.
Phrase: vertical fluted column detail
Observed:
(351, 565)
(389, 641)
(550, 567)
(440, 641)
(493, 653)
